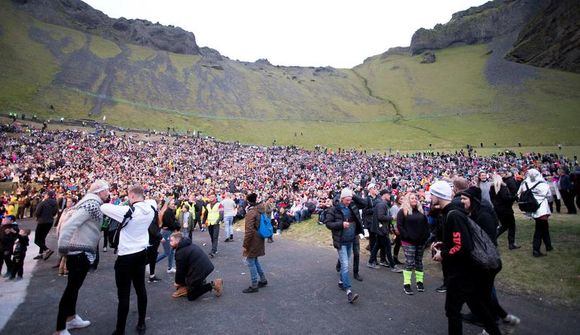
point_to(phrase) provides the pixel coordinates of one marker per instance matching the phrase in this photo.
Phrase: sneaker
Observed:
(218, 287)
(441, 289)
(227, 240)
(251, 290)
(62, 332)
(154, 279)
(37, 257)
(270, 240)
(372, 265)
(77, 323)
(357, 277)
(104, 249)
(538, 254)
(407, 289)
(341, 285)
(352, 297)
(262, 283)
(180, 292)
(420, 287)
(171, 270)
(47, 254)
(385, 264)
(141, 328)
(396, 269)
(514, 246)
(509, 324)
(211, 255)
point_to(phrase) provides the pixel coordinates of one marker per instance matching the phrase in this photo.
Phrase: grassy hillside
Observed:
(393, 102)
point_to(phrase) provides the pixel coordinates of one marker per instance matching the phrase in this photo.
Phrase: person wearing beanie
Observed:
(414, 230)
(253, 245)
(45, 213)
(462, 277)
(78, 239)
(345, 223)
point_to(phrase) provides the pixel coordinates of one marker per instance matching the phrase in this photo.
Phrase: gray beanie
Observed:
(441, 190)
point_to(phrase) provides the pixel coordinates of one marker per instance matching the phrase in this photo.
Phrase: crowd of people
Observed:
(123, 185)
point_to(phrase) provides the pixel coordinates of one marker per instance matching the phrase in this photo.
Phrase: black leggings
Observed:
(152, 257)
(130, 269)
(78, 266)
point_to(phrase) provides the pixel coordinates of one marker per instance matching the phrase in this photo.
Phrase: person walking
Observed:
(132, 254)
(45, 213)
(503, 201)
(567, 189)
(541, 192)
(78, 240)
(253, 245)
(229, 213)
(212, 222)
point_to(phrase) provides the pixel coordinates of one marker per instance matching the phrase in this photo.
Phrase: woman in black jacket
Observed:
(502, 201)
(414, 230)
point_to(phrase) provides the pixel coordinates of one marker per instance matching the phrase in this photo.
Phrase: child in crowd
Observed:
(8, 235)
(19, 254)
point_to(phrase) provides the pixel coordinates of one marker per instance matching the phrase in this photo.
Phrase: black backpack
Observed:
(526, 201)
(116, 235)
(154, 230)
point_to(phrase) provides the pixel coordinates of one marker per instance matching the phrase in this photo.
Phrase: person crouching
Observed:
(192, 268)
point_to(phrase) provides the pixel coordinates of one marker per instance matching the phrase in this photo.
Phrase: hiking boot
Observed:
(420, 287)
(77, 323)
(514, 246)
(358, 277)
(509, 324)
(352, 297)
(407, 289)
(372, 265)
(441, 289)
(180, 292)
(154, 279)
(218, 287)
(251, 290)
(262, 283)
(396, 269)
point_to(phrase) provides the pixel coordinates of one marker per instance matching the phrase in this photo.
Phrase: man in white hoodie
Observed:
(132, 253)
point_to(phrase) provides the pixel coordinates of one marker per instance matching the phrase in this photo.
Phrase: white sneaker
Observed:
(171, 270)
(62, 332)
(77, 322)
(509, 324)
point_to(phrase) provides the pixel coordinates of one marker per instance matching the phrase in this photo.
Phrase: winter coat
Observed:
(192, 264)
(502, 201)
(413, 227)
(381, 218)
(46, 210)
(542, 195)
(334, 221)
(253, 244)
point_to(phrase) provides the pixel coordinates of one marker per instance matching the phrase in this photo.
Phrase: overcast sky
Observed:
(338, 33)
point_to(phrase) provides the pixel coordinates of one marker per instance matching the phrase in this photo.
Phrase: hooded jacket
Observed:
(192, 264)
(253, 243)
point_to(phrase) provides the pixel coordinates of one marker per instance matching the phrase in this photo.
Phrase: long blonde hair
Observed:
(497, 183)
(406, 205)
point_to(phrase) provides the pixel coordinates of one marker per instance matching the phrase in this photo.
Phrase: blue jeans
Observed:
(343, 255)
(167, 249)
(229, 226)
(255, 270)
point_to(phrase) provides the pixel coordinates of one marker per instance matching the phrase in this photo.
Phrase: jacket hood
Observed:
(185, 241)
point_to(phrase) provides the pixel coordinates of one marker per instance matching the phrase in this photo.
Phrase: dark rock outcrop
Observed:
(552, 38)
(428, 58)
(478, 24)
(78, 15)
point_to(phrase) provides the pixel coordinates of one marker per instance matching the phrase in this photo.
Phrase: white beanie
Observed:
(441, 190)
(371, 185)
(346, 192)
(98, 186)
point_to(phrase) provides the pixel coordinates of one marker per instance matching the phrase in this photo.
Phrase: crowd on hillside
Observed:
(201, 181)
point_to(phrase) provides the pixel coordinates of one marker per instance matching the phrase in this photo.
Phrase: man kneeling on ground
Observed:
(193, 266)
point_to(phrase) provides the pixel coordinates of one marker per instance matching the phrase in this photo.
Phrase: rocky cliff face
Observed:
(78, 15)
(478, 24)
(552, 38)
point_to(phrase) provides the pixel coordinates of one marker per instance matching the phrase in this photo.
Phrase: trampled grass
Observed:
(554, 279)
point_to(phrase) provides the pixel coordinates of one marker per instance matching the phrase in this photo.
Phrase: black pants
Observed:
(379, 245)
(152, 252)
(130, 269)
(197, 289)
(42, 230)
(197, 220)
(568, 199)
(372, 240)
(214, 234)
(541, 233)
(18, 265)
(78, 266)
(474, 292)
(105, 238)
(578, 200)
(6, 258)
(508, 222)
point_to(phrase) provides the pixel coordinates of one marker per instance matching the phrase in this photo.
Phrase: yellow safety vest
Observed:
(213, 214)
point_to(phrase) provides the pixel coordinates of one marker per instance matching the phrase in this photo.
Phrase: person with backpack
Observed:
(253, 245)
(78, 240)
(133, 240)
(540, 191)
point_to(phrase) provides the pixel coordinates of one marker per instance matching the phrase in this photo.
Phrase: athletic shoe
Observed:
(407, 289)
(154, 279)
(251, 290)
(509, 323)
(441, 289)
(341, 285)
(352, 297)
(37, 257)
(262, 283)
(77, 323)
(211, 255)
(514, 246)
(47, 254)
(104, 249)
(358, 277)
(372, 265)
(420, 287)
(227, 240)
(385, 264)
(141, 329)
(171, 270)
(62, 332)
(218, 287)
(396, 269)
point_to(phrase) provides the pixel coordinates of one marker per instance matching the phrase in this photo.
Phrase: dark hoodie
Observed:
(192, 264)
(457, 242)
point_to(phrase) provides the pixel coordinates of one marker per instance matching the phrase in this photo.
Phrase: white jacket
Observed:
(542, 195)
(134, 236)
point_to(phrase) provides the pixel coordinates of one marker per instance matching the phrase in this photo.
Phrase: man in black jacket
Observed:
(45, 212)
(193, 267)
(345, 223)
(381, 222)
